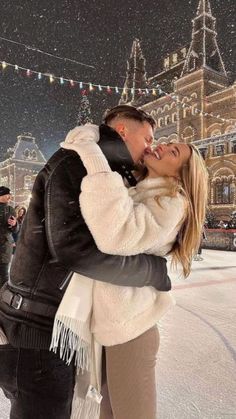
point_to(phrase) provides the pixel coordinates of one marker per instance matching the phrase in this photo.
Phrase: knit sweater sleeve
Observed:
(118, 224)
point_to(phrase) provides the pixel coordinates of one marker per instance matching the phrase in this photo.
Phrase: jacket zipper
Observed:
(49, 236)
(49, 222)
(65, 281)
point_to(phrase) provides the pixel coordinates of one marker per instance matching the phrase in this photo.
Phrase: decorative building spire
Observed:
(204, 50)
(135, 75)
(204, 7)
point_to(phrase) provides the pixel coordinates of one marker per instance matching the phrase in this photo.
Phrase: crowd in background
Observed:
(11, 220)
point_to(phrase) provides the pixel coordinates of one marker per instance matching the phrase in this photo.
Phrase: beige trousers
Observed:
(130, 390)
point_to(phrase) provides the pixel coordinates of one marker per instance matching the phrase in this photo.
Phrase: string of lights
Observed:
(46, 53)
(90, 87)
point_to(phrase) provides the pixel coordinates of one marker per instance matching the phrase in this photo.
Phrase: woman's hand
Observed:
(81, 135)
(84, 140)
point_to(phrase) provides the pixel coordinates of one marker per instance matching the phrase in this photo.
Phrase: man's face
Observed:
(136, 135)
(5, 198)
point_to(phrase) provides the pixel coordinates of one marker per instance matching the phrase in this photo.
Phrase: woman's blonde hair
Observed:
(194, 187)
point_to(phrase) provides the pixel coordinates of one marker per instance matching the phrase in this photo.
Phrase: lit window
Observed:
(167, 62)
(174, 117)
(203, 152)
(175, 58)
(28, 182)
(167, 119)
(26, 153)
(219, 150)
(34, 155)
(223, 193)
(234, 148)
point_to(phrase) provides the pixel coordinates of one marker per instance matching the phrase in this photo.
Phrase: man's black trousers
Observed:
(38, 384)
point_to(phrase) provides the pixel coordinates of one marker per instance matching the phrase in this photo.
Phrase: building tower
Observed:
(135, 76)
(204, 50)
(20, 168)
(201, 110)
(203, 74)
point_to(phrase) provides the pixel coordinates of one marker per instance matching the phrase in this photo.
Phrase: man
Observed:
(8, 225)
(54, 242)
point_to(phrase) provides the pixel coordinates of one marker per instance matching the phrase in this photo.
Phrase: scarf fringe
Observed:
(85, 409)
(66, 339)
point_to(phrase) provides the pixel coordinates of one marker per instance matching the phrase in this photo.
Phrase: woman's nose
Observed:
(149, 141)
(163, 146)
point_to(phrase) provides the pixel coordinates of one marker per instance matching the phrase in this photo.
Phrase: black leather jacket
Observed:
(55, 240)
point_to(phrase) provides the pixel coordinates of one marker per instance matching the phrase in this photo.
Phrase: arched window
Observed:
(194, 95)
(161, 122)
(215, 133)
(28, 182)
(194, 109)
(233, 147)
(186, 111)
(214, 130)
(203, 152)
(34, 155)
(174, 117)
(26, 153)
(167, 119)
(188, 134)
(219, 150)
(223, 192)
(230, 128)
(166, 108)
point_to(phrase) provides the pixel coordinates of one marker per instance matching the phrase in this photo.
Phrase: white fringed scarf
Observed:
(73, 340)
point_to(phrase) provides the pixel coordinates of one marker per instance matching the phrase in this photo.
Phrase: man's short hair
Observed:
(129, 112)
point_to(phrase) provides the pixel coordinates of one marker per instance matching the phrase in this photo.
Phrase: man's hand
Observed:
(12, 221)
(81, 135)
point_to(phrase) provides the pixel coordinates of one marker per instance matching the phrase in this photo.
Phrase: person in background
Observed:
(198, 256)
(20, 215)
(222, 224)
(8, 225)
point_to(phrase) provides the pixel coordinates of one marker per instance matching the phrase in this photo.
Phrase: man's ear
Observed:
(120, 128)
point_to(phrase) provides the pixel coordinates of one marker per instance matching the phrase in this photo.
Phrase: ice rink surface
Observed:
(196, 371)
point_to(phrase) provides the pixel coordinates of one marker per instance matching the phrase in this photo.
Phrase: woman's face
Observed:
(166, 159)
(21, 212)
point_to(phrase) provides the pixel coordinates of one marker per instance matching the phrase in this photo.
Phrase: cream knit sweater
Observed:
(126, 222)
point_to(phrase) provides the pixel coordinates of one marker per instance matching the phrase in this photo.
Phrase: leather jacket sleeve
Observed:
(72, 244)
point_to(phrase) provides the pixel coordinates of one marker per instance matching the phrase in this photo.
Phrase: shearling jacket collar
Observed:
(116, 153)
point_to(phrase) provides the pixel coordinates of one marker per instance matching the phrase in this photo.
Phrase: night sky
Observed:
(98, 33)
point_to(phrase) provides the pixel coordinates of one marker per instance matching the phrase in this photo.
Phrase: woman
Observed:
(162, 215)
(20, 215)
